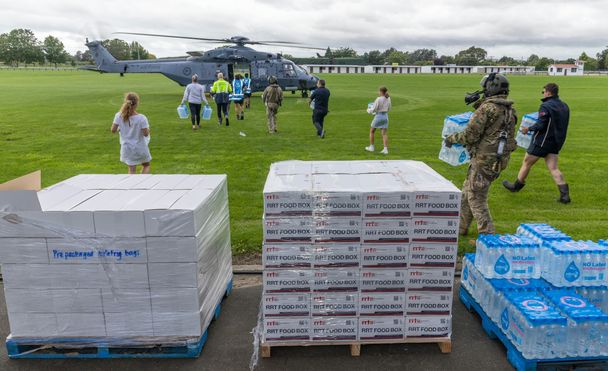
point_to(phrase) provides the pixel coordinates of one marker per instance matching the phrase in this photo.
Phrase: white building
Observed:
(402, 70)
(577, 69)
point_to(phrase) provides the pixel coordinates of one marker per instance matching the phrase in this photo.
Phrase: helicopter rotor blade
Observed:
(175, 37)
(287, 45)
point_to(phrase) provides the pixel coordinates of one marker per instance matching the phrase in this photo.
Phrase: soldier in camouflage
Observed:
(490, 139)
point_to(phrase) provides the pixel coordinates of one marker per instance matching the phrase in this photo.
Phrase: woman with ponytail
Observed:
(380, 110)
(134, 135)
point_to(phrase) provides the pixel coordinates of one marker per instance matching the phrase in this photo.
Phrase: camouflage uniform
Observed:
(272, 97)
(481, 138)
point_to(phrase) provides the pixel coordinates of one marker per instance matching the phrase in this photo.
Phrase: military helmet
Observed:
(272, 80)
(494, 84)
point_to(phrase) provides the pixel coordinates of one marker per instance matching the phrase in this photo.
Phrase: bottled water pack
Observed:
(455, 123)
(471, 277)
(597, 296)
(493, 298)
(575, 263)
(524, 140)
(587, 329)
(508, 256)
(456, 155)
(542, 233)
(534, 325)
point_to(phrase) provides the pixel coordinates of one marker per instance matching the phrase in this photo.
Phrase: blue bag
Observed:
(182, 111)
(207, 111)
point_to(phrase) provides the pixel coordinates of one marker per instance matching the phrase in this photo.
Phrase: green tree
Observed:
(532, 60)
(443, 60)
(471, 56)
(139, 52)
(543, 63)
(373, 57)
(396, 56)
(328, 53)
(344, 52)
(591, 64)
(119, 49)
(20, 45)
(54, 50)
(507, 61)
(422, 56)
(602, 59)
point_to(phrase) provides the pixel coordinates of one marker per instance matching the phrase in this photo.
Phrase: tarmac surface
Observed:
(230, 347)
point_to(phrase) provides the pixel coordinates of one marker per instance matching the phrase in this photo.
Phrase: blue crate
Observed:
(63, 348)
(515, 357)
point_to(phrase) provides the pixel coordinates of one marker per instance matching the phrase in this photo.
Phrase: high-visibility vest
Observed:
(247, 84)
(237, 90)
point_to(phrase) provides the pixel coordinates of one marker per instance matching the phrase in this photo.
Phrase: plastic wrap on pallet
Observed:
(347, 242)
(116, 260)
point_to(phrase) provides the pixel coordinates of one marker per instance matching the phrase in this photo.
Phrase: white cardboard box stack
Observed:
(116, 256)
(358, 250)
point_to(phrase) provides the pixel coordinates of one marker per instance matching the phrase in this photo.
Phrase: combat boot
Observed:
(513, 187)
(564, 194)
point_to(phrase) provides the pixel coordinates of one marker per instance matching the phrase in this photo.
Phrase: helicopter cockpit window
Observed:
(289, 70)
(300, 69)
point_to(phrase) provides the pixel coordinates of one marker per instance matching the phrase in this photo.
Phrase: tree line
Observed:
(20, 46)
(473, 56)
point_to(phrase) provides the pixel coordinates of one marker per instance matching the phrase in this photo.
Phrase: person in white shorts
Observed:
(380, 110)
(134, 133)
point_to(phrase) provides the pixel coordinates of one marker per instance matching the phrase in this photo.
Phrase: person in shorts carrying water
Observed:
(134, 132)
(380, 109)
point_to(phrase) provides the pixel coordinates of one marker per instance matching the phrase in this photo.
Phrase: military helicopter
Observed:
(230, 60)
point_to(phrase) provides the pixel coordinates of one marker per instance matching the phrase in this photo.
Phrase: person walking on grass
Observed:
(134, 132)
(319, 101)
(247, 89)
(221, 90)
(238, 96)
(549, 137)
(380, 109)
(195, 96)
(273, 98)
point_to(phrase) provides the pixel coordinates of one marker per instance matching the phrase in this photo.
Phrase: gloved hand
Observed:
(447, 143)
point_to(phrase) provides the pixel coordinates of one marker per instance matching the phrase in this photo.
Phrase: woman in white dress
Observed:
(134, 133)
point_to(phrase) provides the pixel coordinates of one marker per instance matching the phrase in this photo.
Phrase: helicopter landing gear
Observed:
(304, 94)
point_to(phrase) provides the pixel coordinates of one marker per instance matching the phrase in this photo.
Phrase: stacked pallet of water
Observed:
(142, 258)
(359, 250)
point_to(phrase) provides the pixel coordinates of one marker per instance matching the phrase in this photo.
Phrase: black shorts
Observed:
(240, 101)
(247, 95)
(538, 151)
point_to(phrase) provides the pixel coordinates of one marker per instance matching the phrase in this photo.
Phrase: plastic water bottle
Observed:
(524, 140)
(575, 263)
(542, 232)
(456, 155)
(587, 333)
(597, 296)
(499, 286)
(508, 256)
(455, 123)
(182, 111)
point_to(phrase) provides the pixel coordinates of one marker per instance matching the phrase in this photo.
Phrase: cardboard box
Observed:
(287, 329)
(81, 324)
(428, 326)
(175, 249)
(336, 256)
(335, 280)
(337, 195)
(118, 300)
(53, 300)
(172, 275)
(33, 324)
(337, 230)
(288, 195)
(334, 328)
(393, 231)
(287, 256)
(382, 304)
(381, 328)
(436, 303)
(286, 305)
(384, 256)
(288, 230)
(385, 195)
(129, 324)
(334, 304)
(430, 279)
(433, 255)
(287, 281)
(167, 300)
(177, 324)
(435, 230)
(383, 280)
(23, 250)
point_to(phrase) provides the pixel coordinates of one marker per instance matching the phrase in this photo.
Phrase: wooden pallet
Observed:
(444, 343)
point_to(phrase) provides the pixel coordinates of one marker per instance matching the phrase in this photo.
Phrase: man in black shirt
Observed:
(549, 137)
(320, 99)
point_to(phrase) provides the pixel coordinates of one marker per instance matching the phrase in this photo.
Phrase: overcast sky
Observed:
(556, 28)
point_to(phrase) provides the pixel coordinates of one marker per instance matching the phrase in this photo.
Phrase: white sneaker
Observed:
(370, 149)
(384, 151)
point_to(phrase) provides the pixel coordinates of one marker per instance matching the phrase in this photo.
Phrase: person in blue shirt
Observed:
(247, 86)
(238, 96)
(319, 101)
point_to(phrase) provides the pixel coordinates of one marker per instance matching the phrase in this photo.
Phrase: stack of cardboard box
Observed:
(358, 250)
(116, 256)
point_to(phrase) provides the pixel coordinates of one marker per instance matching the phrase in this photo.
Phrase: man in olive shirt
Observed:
(320, 99)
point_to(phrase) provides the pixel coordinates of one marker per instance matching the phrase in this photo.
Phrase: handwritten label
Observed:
(115, 254)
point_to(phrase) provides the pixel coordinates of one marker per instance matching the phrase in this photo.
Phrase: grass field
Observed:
(59, 122)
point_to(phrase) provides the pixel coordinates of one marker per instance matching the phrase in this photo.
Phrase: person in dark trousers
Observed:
(221, 90)
(549, 137)
(319, 100)
(195, 96)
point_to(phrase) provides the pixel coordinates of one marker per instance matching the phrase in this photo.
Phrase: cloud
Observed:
(557, 28)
